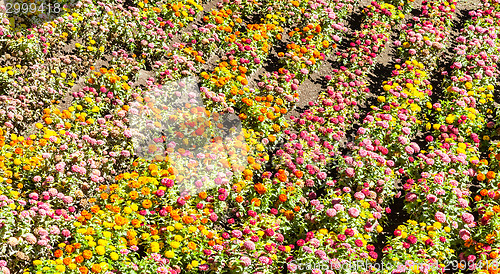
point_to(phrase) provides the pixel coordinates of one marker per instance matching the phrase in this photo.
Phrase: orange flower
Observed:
(255, 201)
(483, 192)
(289, 215)
(282, 198)
(187, 219)
(119, 220)
(136, 223)
(83, 269)
(490, 175)
(67, 260)
(191, 245)
(147, 203)
(282, 177)
(298, 173)
(70, 249)
(481, 177)
(239, 199)
(87, 254)
(494, 255)
(58, 253)
(96, 268)
(133, 195)
(260, 188)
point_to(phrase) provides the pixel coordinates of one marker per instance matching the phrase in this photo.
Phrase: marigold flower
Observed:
(87, 254)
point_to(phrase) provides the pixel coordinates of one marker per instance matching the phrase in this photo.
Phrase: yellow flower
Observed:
(178, 226)
(169, 254)
(100, 250)
(134, 207)
(175, 244)
(428, 126)
(450, 119)
(61, 268)
(381, 99)
(155, 247)
(114, 256)
(178, 238)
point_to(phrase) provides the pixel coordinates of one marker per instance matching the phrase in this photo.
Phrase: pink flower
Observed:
(167, 182)
(292, 267)
(12, 241)
(440, 217)
(213, 217)
(464, 234)
(331, 212)
(431, 198)
(30, 238)
(468, 218)
(411, 239)
(246, 260)
(353, 212)
(350, 172)
(33, 196)
(66, 233)
(249, 245)
(236, 233)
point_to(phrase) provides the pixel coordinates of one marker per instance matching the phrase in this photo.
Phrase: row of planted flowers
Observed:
(437, 188)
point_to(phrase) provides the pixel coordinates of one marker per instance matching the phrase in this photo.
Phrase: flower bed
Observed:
(117, 155)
